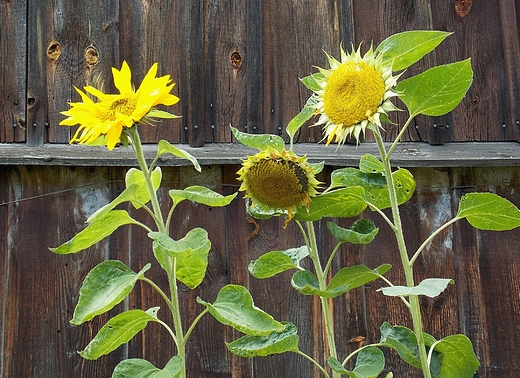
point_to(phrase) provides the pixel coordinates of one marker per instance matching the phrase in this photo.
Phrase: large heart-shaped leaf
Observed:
(340, 203)
(100, 228)
(118, 331)
(457, 356)
(190, 254)
(401, 50)
(106, 285)
(139, 368)
(234, 307)
(488, 211)
(274, 343)
(274, 262)
(438, 90)
(404, 341)
(374, 184)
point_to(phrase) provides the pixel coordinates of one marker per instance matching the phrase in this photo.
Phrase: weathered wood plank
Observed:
(226, 62)
(13, 56)
(81, 44)
(407, 154)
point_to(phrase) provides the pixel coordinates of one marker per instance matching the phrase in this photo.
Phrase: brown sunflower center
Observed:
(124, 106)
(278, 183)
(353, 93)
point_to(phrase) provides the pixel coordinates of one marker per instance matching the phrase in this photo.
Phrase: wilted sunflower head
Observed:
(353, 93)
(279, 180)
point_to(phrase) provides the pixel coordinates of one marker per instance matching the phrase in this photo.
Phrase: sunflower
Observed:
(114, 112)
(278, 180)
(353, 94)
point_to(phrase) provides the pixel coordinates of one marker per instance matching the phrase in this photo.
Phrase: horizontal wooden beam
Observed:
(409, 154)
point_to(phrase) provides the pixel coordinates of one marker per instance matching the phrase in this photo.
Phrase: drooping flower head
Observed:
(354, 93)
(278, 180)
(113, 112)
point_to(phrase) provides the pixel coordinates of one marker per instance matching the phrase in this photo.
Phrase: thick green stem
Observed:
(161, 226)
(415, 309)
(327, 315)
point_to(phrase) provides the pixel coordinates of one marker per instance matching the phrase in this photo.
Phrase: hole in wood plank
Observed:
(91, 56)
(462, 7)
(236, 59)
(54, 51)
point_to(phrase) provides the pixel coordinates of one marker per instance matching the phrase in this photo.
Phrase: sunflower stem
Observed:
(170, 263)
(320, 275)
(415, 309)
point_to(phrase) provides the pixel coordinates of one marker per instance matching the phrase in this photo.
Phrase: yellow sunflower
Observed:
(113, 112)
(354, 93)
(278, 180)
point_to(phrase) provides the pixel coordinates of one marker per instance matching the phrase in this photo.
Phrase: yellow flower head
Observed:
(279, 180)
(113, 112)
(353, 93)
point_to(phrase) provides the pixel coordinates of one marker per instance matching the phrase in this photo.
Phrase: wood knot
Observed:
(235, 59)
(91, 56)
(53, 51)
(462, 7)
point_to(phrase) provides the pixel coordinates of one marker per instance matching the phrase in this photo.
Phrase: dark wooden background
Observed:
(238, 62)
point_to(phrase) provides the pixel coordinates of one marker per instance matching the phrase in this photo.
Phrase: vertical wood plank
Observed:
(226, 63)
(80, 42)
(477, 33)
(13, 56)
(295, 34)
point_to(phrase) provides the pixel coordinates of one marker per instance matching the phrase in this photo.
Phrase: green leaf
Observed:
(370, 164)
(118, 331)
(438, 90)
(346, 279)
(139, 368)
(457, 356)
(190, 254)
(352, 277)
(106, 285)
(431, 287)
(100, 228)
(164, 147)
(202, 195)
(341, 203)
(404, 341)
(274, 343)
(274, 262)
(374, 185)
(261, 211)
(136, 177)
(305, 114)
(312, 81)
(362, 231)
(156, 113)
(234, 307)
(135, 192)
(370, 362)
(404, 49)
(338, 367)
(488, 211)
(260, 141)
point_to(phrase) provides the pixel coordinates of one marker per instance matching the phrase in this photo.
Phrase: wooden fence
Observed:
(238, 62)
